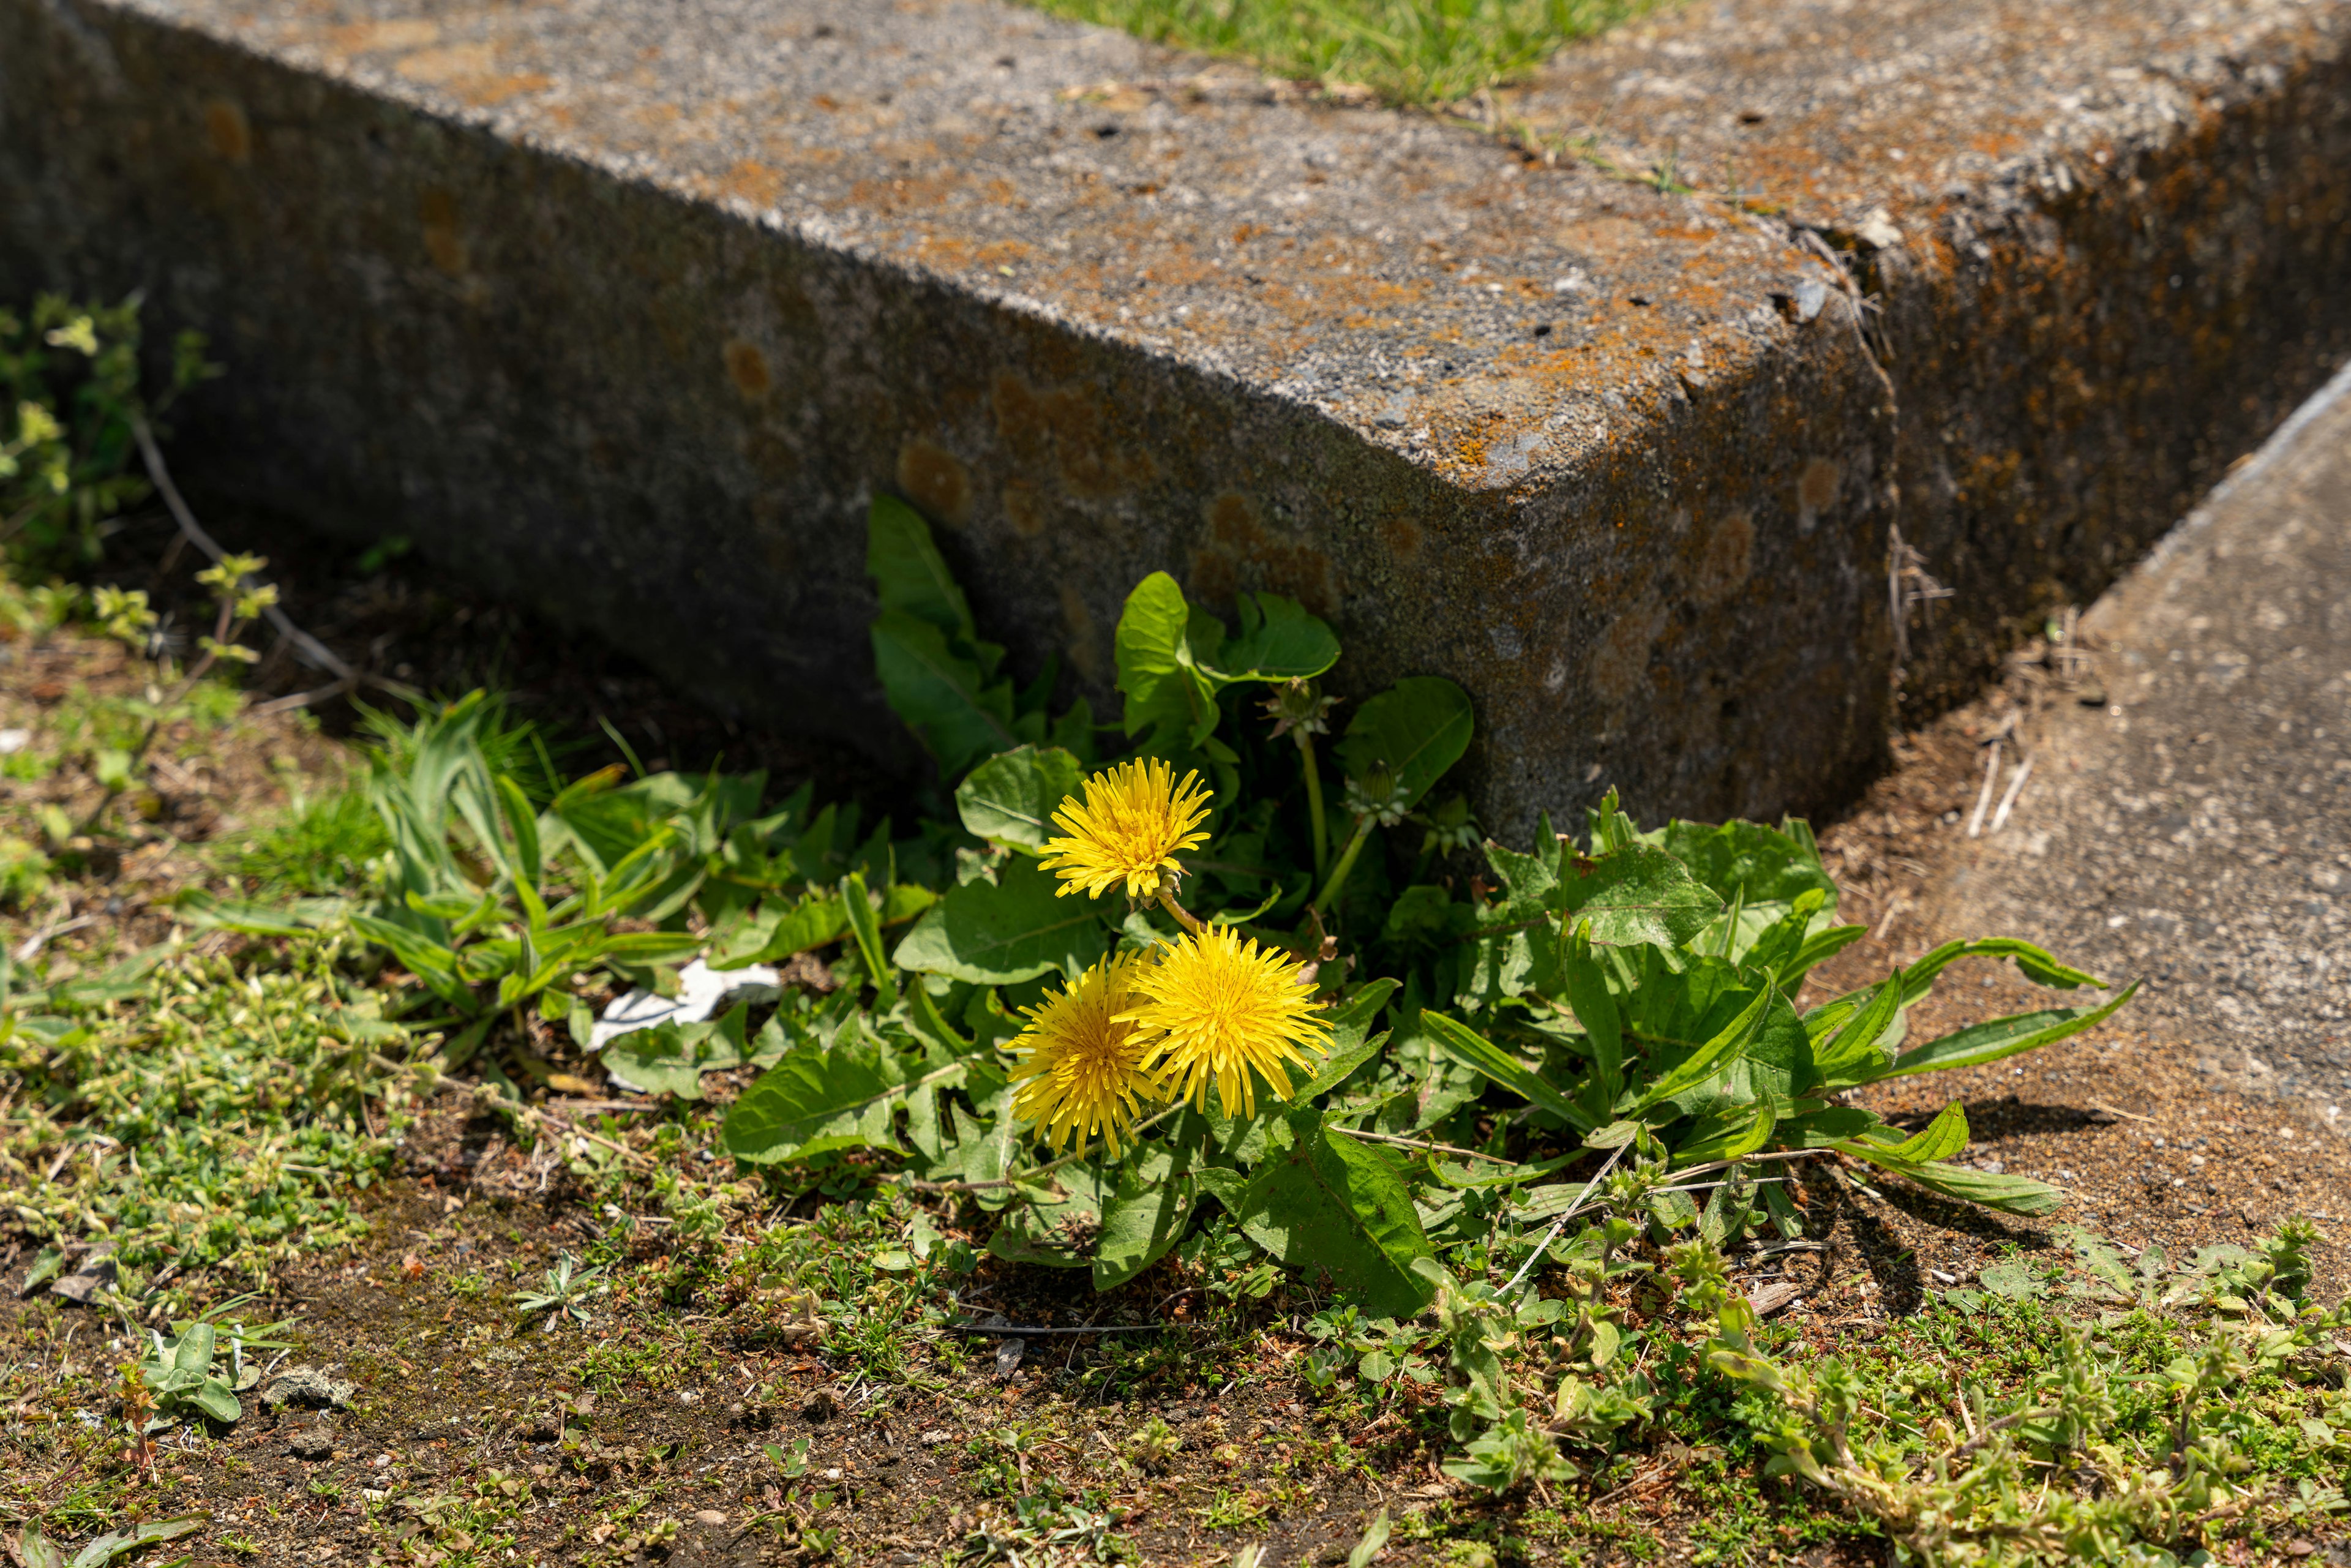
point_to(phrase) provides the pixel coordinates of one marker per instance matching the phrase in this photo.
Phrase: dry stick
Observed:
(1983, 796)
(1561, 1224)
(1024, 1332)
(317, 653)
(2015, 785)
(1428, 1145)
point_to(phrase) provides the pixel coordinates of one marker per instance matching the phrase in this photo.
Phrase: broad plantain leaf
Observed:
(1011, 798)
(1278, 640)
(1328, 1205)
(815, 1100)
(1417, 729)
(1013, 929)
(1636, 894)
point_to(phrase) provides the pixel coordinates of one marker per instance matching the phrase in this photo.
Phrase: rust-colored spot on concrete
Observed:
(934, 481)
(1065, 428)
(1023, 510)
(228, 131)
(1620, 664)
(1402, 536)
(372, 37)
(1816, 491)
(1241, 552)
(1724, 558)
(748, 368)
(439, 66)
(436, 210)
(754, 182)
(470, 72)
(1084, 643)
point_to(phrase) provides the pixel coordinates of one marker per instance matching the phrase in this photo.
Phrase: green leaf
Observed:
(2009, 1193)
(36, 1551)
(1150, 1204)
(910, 576)
(1990, 1041)
(1278, 640)
(776, 933)
(1417, 729)
(859, 903)
(1351, 1046)
(1010, 798)
(997, 934)
(1736, 859)
(671, 1057)
(943, 695)
(115, 1542)
(1729, 1135)
(1331, 1206)
(195, 1352)
(1853, 1055)
(818, 1099)
(1946, 1136)
(1058, 1231)
(1636, 894)
(215, 1400)
(2033, 962)
(1156, 669)
(1710, 1060)
(1472, 1050)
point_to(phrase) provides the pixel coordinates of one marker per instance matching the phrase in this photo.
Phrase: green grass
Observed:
(1408, 51)
(203, 1114)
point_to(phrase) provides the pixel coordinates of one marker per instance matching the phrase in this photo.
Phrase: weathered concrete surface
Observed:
(2123, 230)
(631, 307)
(2196, 830)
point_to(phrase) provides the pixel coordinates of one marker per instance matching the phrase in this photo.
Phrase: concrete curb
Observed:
(629, 311)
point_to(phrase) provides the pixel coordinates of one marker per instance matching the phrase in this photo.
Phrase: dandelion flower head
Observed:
(1135, 820)
(1080, 1064)
(1220, 1009)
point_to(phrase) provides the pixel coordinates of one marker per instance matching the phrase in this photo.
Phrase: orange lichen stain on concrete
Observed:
(372, 37)
(1725, 558)
(1023, 509)
(935, 481)
(435, 68)
(754, 182)
(1065, 426)
(1816, 491)
(485, 92)
(1619, 660)
(746, 368)
(436, 212)
(1241, 552)
(228, 131)
(930, 189)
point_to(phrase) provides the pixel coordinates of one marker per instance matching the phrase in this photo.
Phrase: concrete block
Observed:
(629, 307)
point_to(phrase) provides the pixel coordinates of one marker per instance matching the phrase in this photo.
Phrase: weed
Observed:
(1409, 51)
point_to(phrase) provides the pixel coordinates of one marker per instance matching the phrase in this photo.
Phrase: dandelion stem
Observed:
(1184, 916)
(1322, 833)
(1346, 863)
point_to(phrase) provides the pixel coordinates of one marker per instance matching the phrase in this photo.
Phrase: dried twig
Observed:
(311, 651)
(1983, 796)
(2015, 786)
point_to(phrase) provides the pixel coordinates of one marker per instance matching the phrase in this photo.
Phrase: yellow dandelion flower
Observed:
(1080, 1067)
(1135, 820)
(1221, 1010)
